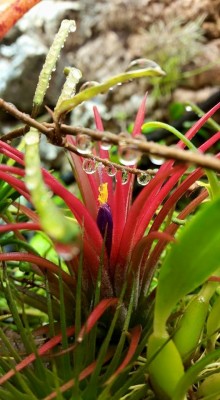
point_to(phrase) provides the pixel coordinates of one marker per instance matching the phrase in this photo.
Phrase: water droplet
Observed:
(105, 145)
(142, 63)
(88, 85)
(89, 166)
(83, 143)
(157, 160)
(143, 178)
(127, 155)
(72, 27)
(188, 108)
(124, 177)
(110, 170)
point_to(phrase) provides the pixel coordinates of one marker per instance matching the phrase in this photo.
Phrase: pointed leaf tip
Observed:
(98, 120)
(140, 117)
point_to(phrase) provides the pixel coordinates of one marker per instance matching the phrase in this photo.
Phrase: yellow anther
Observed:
(103, 193)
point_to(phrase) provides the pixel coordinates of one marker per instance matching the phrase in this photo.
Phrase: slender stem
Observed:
(152, 148)
(108, 163)
(11, 109)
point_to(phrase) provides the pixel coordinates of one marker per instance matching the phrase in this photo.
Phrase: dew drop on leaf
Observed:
(110, 170)
(127, 155)
(83, 143)
(124, 177)
(88, 85)
(157, 160)
(89, 166)
(105, 145)
(143, 179)
(142, 63)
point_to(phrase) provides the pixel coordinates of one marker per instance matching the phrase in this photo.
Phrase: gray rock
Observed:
(46, 18)
(23, 53)
(20, 65)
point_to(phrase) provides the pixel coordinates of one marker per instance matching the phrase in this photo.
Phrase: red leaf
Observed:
(15, 10)
(140, 117)
(98, 120)
(192, 131)
(41, 262)
(95, 315)
(20, 225)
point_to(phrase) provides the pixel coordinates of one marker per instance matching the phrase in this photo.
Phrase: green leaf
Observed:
(150, 69)
(191, 375)
(189, 263)
(176, 110)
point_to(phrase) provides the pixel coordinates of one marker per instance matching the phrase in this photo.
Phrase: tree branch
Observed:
(152, 148)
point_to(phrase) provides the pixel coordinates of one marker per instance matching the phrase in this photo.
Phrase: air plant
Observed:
(99, 290)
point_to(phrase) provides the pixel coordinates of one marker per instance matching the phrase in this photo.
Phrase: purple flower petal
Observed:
(105, 225)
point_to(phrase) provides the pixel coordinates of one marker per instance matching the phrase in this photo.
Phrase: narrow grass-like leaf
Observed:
(86, 372)
(119, 349)
(79, 353)
(93, 384)
(93, 335)
(14, 311)
(184, 270)
(135, 337)
(23, 393)
(49, 308)
(65, 359)
(211, 122)
(41, 351)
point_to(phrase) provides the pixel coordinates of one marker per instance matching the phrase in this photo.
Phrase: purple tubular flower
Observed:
(105, 225)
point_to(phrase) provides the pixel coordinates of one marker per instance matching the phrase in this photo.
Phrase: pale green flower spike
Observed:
(53, 222)
(49, 66)
(66, 106)
(69, 87)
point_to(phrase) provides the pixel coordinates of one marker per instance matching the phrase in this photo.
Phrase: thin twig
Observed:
(49, 129)
(108, 163)
(11, 109)
(152, 148)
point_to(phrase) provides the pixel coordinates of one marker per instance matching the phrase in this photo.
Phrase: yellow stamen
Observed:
(103, 193)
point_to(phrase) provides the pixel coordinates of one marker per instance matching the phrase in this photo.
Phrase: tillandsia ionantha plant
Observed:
(123, 314)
